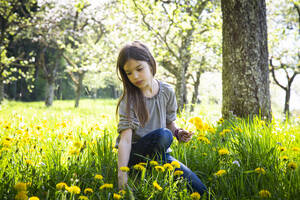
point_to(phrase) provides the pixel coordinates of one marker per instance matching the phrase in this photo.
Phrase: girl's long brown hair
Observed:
(134, 96)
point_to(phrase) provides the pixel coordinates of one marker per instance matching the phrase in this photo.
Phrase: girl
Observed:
(147, 111)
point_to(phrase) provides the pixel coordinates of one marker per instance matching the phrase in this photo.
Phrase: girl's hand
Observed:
(184, 135)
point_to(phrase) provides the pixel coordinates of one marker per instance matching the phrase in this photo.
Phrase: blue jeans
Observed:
(154, 145)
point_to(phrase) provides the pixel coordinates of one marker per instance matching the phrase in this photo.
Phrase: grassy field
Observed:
(66, 153)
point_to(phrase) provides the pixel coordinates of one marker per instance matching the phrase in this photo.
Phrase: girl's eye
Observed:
(128, 74)
(139, 69)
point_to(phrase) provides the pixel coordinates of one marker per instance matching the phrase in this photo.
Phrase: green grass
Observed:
(43, 146)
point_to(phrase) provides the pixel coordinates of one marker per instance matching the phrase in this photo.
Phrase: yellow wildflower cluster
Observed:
(175, 164)
(73, 189)
(98, 177)
(223, 132)
(153, 163)
(203, 139)
(260, 170)
(61, 186)
(178, 173)
(21, 188)
(195, 196)
(292, 165)
(81, 197)
(157, 186)
(223, 151)
(168, 167)
(139, 167)
(199, 124)
(159, 168)
(220, 173)
(264, 194)
(88, 191)
(124, 169)
(106, 186)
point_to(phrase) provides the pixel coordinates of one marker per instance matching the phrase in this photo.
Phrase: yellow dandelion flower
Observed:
(282, 149)
(175, 164)
(178, 173)
(83, 197)
(122, 192)
(142, 163)
(88, 191)
(223, 151)
(159, 168)
(78, 144)
(203, 139)
(19, 131)
(117, 196)
(157, 186)
(98, 177)
(21, 186)
(195, 196)
(153, 163)
(264, 194)
(106, 186)
(284, 158)
(260, 170)
(34, 198)
(197, 121)
(296, 149)
(28, 162)
(139, 167)
(124, 169)
(168, 166)
(61, 186)
(73, 189)
(22, 195)
(212, 130)
(292, 165)
(220, 172)
(221, 121)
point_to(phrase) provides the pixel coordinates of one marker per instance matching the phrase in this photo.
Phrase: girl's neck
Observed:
(152, 89)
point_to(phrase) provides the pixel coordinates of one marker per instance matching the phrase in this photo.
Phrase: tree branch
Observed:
(274, 77)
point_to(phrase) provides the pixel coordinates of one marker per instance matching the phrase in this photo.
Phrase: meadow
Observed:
(66, 153)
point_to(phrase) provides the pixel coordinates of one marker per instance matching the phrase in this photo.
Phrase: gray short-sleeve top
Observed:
(162, 111)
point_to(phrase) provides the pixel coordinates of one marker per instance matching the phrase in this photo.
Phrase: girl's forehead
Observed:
(132, 64)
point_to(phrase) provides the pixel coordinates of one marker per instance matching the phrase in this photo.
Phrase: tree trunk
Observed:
(78, 88)
(180, 89)
(1, 91)
(196, 90)
(50, 86)
(286, 110)
(245, 74)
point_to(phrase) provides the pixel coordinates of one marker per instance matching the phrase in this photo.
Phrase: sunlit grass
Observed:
(64, 152)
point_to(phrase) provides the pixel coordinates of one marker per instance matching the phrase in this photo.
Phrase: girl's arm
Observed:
(123, 156)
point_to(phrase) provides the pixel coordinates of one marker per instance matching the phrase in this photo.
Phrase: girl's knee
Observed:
(165, 136)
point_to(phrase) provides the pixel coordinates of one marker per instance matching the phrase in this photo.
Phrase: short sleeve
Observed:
(171, 106)
(124, 121)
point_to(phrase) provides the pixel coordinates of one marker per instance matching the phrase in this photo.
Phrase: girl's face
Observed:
(139, 73)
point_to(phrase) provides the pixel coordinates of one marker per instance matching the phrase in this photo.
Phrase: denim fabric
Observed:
(154, 145)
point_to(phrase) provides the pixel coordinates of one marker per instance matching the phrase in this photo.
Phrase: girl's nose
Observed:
(135, 75)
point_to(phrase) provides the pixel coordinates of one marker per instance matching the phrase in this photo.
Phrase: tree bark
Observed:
(50, 86)
(287, 101)
(1, 91)
(196, 90)
(245, 74)
(79, 88)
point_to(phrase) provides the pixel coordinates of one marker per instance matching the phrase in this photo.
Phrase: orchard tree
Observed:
(15, 17)
(284, 42)
(245, 73)
(173, 25)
